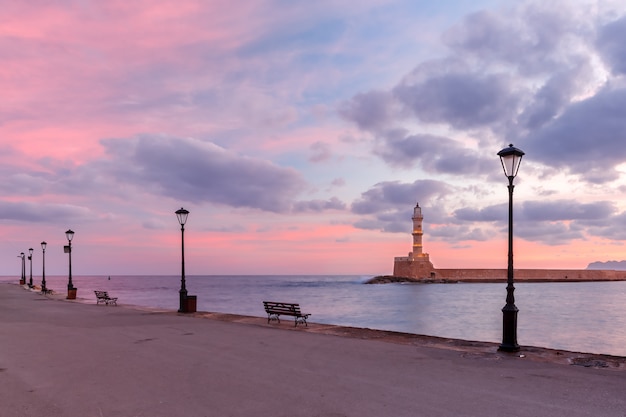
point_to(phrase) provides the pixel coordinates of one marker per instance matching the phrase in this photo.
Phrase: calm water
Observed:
(586, 317)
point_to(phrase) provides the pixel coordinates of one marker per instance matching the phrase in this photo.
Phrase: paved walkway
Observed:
(64, 358)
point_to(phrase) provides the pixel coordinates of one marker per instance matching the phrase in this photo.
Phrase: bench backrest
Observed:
(282, 308)
(101, 294)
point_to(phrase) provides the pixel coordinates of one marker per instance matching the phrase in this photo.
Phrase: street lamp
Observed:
(30, 259)
(71, 291)
(43, 273)
(510, 158)
(23, 277)
(182, 219)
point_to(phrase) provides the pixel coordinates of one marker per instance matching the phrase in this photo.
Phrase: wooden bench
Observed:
(103, 297)
(274, 310)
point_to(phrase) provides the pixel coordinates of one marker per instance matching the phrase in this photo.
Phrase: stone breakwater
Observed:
(500, 275)
(390, 279)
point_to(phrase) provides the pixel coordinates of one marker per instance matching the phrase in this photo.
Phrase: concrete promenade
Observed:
(61, 358)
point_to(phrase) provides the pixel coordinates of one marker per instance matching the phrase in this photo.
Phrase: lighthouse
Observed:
(417, 264)
(417, 231)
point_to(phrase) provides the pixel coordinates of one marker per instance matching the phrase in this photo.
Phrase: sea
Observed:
(577, 316)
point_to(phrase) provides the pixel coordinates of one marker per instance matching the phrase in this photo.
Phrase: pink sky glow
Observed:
(300, 135)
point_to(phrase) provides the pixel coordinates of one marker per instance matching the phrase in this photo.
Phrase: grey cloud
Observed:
(531, 38)
(153, 224)
(321, 152)
(539, 211)
(608, 229)
(558, 222)
(397, 226)
(232, 228)
(392, 194)
(196, 171)
(457, 233)
(550, 222)
(319, 205)
(566, 210)
(369, 224)
(24, 183)
(37, 212)
(554, 95)
(513, 74)
(496, 213)
(549, 233)
(611, 45)
(435, 154)
(338, 182)
(460, 99)
(388, 205)
(529, 75)
(587, 140)
(370, 111)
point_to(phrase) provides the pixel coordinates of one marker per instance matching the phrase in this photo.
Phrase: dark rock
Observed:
(388, 279)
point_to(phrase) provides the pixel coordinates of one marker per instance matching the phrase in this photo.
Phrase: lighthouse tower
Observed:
(417, 232)
(416, 264)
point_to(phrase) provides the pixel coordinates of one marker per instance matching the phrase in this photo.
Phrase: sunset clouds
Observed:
(300, 135)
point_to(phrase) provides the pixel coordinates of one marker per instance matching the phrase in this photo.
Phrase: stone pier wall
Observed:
(415, 269)
(536, 275)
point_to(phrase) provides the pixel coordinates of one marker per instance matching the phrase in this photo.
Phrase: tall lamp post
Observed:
(510, 158)
(23, 277)
(43, 272)
(71, 291)
(30, 260)
(182, 219)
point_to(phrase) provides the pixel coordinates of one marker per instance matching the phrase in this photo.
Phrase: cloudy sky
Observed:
(301, 134)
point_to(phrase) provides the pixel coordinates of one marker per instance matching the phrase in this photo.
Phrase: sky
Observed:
(300, 135)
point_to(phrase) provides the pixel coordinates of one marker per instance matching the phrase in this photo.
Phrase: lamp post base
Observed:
(509, 329)
(508, 348)
(182, 305)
